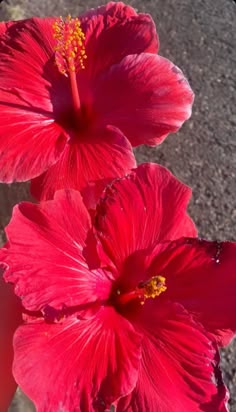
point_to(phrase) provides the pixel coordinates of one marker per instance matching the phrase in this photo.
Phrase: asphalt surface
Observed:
(200, 37)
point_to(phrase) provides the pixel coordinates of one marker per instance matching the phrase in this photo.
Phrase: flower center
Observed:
(149, 289)
(70, 52)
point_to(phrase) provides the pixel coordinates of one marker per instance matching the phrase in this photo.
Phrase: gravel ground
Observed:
(200, 37)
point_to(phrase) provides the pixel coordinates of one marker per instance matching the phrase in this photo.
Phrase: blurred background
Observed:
(200, 37)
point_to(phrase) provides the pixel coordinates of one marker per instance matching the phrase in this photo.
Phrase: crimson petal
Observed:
(87, 165)
(150, 98)
(26, 48)
(146, 207)
(84, 365)
(201, 275)
(30, 140)
(114, 31)
(45, 255)
(179, 370)
(4, 26)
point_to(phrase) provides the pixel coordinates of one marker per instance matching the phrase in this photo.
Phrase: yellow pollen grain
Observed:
(70, 48)
(154, 287)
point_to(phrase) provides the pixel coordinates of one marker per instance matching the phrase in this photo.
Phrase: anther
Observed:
(146, 290)
(70, 49)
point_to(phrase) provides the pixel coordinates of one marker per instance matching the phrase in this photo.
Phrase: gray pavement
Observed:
(200, 37)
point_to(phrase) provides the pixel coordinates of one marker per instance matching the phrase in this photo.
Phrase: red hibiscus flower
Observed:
(76, 94)
(126, 309)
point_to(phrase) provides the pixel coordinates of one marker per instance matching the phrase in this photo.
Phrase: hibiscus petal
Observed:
(91, 161)
(45, 255)
(30, 141)
(179, 370)
(10, 319)
(150, 98)
(111, 11)
(146, 207)
(84, 365)
(26, 52)
(201, 276)
(114, 31)
(3, 27)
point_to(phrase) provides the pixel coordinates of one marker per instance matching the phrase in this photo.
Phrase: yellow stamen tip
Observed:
(69, 48)
(154, 287)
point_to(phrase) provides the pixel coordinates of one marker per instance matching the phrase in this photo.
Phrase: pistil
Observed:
(149, 289)
(70, 53)
(75, 93)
